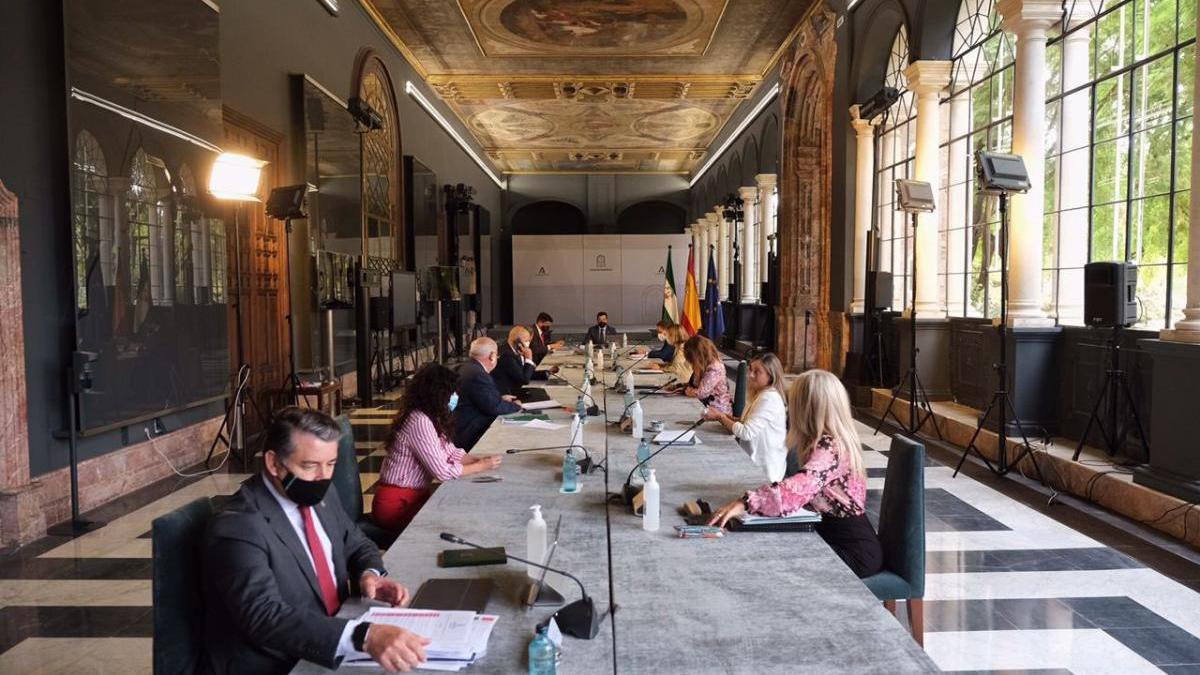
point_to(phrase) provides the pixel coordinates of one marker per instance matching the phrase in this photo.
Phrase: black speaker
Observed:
(1110, 294)
(883, 289)
(381, 313)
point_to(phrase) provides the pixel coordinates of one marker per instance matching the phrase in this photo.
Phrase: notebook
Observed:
(453, 595)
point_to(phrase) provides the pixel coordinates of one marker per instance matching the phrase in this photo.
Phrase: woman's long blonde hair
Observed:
(819, 406)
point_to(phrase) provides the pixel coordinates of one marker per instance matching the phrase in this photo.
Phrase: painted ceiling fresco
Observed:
(592, 85)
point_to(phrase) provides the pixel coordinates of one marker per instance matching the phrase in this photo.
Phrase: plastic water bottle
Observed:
(542, 654)
(643, 457)
(570, 478)
(624, 340)
(629, 399)
(650, 494)
(535, 541)
(635, 414)
(581, 408)
(600, 360)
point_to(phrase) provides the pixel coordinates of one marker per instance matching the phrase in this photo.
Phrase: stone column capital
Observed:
(1029, 18)
(926, 78)
(765, 181)
(748, 195)
(864, 128)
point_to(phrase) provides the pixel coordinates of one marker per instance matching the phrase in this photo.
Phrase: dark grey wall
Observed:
(262, 42)
(601, 197)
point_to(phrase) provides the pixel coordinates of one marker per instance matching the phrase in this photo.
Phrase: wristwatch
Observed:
(359, 637)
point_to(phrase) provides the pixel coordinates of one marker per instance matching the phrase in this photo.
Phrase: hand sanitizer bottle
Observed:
(635, 414)
(643, 458)
(570, 472)
(650, 494)
(535, 541)
(600, 360)
(624, 340)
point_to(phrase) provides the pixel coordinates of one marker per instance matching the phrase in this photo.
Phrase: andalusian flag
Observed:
(670, 298)
(690, 321)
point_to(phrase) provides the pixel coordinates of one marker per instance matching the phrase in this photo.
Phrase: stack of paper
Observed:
(801, 516)
(457, 639)
(676, 438)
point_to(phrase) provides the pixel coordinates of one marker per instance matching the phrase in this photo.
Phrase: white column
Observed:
(864, 177)
(1028, 21)
(957, 202)
(1188, 328)
(723, 249)
(1073, 169)
(748, 253)
(713, 251)
(927, 79)
(701, 254)
(766, 222)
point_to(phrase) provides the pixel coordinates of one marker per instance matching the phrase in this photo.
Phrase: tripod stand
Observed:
(1001, 400)
(1114, 384)
(919, 409)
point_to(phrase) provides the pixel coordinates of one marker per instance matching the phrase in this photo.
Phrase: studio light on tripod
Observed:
(235, 177)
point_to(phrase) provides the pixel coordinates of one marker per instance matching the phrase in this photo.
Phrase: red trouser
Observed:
(394, 507)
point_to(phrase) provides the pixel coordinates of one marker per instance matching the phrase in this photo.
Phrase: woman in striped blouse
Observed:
(419, 450)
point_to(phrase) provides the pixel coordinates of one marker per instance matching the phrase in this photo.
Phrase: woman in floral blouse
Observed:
(709, 383)
(832, 480)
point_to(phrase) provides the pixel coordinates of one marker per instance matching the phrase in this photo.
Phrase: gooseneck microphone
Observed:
(627, 490)
(585, 465)
(629, 367)
(593, 410)
(577, 619)
(648, 394)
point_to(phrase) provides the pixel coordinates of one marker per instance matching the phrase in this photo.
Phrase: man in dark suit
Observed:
(515, 367)
(541, 342)
(479, 400)
(282, 556)
(602, 333)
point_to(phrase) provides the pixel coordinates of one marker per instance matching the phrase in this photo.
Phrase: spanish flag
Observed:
(690, 321)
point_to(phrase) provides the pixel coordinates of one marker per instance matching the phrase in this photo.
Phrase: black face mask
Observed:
(304, 492)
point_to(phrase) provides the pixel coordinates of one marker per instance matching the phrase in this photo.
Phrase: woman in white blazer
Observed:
(762, 429)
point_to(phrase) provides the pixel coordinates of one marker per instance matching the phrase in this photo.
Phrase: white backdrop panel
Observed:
(574, 276)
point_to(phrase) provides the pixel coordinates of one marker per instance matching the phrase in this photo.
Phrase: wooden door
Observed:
(257, 275)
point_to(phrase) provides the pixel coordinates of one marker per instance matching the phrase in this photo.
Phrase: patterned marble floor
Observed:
(1009, 589)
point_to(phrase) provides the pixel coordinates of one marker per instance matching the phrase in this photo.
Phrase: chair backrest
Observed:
(177, 539)
(902, 513)
(345, 473)
(740, 392)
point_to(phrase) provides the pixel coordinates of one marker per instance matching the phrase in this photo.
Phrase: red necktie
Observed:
(324, 574)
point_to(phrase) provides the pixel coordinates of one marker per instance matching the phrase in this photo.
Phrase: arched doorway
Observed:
(804, 335)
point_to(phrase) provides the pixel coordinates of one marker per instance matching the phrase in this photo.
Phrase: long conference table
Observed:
(744, 603)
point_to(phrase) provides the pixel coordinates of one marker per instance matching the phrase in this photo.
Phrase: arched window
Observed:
(898, 145)
(146, 212)
(381, 166)
(1119, 135)
(186, 239)
(92, 220)
(978, 113)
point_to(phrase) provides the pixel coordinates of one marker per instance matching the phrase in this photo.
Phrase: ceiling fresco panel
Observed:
(592, 85)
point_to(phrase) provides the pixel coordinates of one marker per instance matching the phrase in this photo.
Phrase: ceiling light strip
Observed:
(141, 118)
(412, 91)
(729, 140)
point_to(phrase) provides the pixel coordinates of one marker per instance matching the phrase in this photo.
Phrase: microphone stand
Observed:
(628, 493)
(647, 395)
(577, 619)
(593, 410)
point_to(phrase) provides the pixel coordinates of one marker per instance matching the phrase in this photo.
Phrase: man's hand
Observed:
(375, 587)
(553, 370)
(510, 398)
(394, 648)
(527, 352)
(558, 344)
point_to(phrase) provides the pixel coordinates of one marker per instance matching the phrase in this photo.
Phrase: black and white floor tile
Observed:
(1008, 589)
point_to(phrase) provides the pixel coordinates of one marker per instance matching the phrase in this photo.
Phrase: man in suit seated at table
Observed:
(602, 333)
(480, 401)
(541, 342)
(515, 367)
(282, 556)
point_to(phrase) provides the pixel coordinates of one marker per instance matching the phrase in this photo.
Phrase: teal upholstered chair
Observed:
(176, 540)
(349, 487)
(902, 534)
(740, 392)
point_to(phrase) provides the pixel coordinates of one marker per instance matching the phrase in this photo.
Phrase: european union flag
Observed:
(714, 318)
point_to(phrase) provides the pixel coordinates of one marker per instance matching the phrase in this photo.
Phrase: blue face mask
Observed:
(453, 401)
